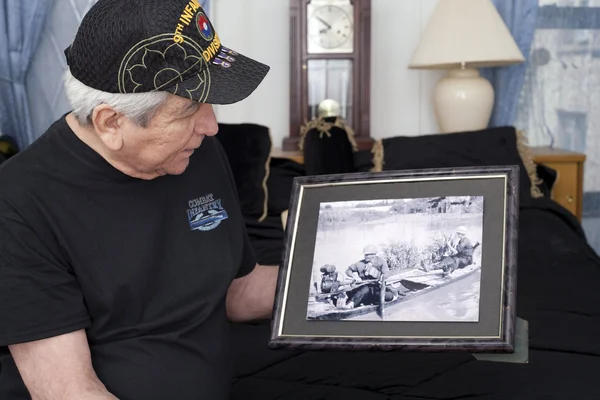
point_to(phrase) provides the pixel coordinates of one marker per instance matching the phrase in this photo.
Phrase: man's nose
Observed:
(207, 121)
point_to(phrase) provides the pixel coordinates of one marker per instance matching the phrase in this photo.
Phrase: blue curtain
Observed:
(21, 23)
(520, 17)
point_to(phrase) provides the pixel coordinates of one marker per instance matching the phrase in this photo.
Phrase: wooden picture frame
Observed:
(411, 217)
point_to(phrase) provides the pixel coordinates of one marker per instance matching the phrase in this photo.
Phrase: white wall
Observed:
(260, 29)
(47, 100)
(400, 97)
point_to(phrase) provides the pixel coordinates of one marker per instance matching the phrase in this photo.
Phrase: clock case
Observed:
(360, 59)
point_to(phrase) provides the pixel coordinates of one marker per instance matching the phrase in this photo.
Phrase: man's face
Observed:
(165, 145)
(369, 256)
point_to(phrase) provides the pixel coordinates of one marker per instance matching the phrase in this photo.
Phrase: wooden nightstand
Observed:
(294, 155)
(568, 188)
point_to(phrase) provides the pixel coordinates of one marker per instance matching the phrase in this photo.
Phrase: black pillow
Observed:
(363, 161)
(489, 147)
(248, 149)
(282, 172)
(547, 178)
(327, 147)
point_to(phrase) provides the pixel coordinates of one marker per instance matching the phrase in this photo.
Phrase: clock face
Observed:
(330, 29)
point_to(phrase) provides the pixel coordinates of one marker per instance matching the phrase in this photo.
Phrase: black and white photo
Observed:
(408, 259)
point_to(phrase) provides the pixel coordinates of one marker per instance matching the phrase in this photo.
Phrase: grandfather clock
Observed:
(330, 50)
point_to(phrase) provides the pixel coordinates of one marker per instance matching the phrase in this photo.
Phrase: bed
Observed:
(558, 277)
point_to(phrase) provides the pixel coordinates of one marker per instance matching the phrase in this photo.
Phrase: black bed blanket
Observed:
(558, 293)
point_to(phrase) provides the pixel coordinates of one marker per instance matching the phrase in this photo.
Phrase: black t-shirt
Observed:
(142, 265)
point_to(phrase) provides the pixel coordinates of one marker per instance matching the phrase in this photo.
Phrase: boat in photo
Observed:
(410, 284)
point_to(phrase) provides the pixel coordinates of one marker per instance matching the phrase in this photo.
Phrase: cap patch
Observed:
(203, 26)
(187, 16)
(194, 12)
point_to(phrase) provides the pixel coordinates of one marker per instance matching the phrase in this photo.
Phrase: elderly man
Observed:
(123, 248)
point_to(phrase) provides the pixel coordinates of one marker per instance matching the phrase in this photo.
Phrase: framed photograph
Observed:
(421, 260)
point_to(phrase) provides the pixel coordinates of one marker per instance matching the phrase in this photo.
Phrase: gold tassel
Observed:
(378, 154)
(530, 166)
(265, 179)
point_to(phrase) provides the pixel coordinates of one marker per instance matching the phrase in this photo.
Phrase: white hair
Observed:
(139, 107)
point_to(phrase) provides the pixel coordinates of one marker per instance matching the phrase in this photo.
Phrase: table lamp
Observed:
(462, 36)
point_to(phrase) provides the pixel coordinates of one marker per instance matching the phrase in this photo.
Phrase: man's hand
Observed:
(59, 368)
(252, 296)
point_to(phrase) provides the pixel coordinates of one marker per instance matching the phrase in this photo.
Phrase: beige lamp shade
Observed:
(465, 31)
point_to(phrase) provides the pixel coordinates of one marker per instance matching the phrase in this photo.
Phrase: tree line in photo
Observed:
(335, 217)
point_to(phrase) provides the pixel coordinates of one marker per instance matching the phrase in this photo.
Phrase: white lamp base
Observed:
(463, 101)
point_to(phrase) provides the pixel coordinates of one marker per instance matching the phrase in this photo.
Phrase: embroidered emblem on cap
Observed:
(204, 27)
(160, 64)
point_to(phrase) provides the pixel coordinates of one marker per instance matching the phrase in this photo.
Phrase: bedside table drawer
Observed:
(566, 190)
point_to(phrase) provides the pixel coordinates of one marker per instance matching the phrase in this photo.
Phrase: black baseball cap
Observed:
(137, 46)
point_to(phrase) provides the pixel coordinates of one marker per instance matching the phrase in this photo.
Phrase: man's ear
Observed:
(108, 125)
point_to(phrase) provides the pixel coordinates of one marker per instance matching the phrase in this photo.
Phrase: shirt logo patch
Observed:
(205, 213)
